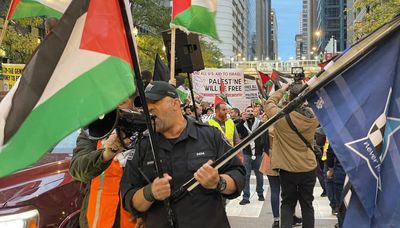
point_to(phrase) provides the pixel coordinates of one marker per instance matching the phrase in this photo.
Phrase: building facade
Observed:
(274, 35)
(260, 26)
(232, 23)
(331, 23)
(299, 45)
(251, 29)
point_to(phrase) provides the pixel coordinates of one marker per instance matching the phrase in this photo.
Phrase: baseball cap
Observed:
(157, 90)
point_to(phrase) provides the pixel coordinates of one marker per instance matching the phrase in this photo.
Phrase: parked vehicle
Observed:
(43, 195)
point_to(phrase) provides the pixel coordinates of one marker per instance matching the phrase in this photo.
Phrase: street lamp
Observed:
(238, 56)
(255, 58)
(267, 58)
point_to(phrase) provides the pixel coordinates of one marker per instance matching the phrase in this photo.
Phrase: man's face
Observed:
(222, 112)
(249, 113)
(256, 111)
(187, 111)
(164, 112)
(234, 114)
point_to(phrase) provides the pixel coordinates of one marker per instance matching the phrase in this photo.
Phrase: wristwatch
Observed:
(221, 186)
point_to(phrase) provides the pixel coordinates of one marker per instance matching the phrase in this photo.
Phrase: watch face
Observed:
(222, 184)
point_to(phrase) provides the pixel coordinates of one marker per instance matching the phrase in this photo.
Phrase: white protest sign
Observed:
(207, 83)
(251, 89)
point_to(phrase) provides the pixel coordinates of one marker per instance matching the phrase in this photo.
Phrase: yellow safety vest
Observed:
(229, 128)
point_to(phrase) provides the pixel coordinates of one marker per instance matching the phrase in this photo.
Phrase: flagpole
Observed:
(3, 31)
(325, 77)
(140, 88)
(173, 44)
(192, 95)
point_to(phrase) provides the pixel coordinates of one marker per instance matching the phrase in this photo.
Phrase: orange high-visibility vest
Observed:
(104, 199)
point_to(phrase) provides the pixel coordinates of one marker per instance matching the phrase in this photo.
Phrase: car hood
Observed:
(19, 188)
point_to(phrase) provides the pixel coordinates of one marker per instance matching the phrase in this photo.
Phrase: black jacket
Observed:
(181, 158)
(261, 143)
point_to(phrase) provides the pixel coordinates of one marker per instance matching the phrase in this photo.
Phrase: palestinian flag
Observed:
(182, 93)
(218, 100)
(196, 16)
(278, 77)
(33, 8)
(79, 72)
(266, 81)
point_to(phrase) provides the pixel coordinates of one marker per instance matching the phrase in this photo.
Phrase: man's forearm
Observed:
(276, 97)
(139, 202)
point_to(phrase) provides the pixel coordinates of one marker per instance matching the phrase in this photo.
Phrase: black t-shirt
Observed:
(197, 144)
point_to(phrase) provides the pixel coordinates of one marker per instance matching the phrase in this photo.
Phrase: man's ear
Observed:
(177, 104)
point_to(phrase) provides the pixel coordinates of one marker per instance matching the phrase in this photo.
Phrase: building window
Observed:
(332, 12)
(332, 2)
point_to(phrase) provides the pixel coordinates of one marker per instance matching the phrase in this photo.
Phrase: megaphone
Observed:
(123, 120)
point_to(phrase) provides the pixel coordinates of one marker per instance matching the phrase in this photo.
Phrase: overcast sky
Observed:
(288, 16)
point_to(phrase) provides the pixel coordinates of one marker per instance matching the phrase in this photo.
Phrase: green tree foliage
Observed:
(151, 15)
(212, 55)
(21, 37)
(154, 17)
(378, 13)
(148, 47)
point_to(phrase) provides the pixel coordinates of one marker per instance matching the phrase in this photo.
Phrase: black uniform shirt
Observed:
(181, 158)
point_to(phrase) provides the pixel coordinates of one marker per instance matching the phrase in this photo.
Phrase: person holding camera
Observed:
(186, 150)
(98, 164)
(292, 157)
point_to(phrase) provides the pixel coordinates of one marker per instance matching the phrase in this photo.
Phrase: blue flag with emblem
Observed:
(360, 113)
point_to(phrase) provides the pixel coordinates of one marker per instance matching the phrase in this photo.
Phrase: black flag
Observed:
(161, 72)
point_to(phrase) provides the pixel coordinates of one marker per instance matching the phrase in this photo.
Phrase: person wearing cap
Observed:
(293, 159)
(186, 150)
(224, 124)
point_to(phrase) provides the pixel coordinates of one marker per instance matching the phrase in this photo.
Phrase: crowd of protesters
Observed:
(294, 168)
(203, 133)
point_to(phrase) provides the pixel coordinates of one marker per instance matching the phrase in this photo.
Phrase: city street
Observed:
(259, 214)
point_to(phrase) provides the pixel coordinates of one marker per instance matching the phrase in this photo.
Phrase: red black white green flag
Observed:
(82, 70)
(196, 16)
(33, 8)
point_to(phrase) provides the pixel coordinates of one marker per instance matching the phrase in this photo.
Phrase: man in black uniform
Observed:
(186, 150)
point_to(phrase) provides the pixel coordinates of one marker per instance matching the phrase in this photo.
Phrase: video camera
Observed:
(298, 74)
(297, 84)
(127, 123)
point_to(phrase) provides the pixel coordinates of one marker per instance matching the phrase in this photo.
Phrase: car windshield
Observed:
(67, 144)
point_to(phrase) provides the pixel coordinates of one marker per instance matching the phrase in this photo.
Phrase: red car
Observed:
(43, 195)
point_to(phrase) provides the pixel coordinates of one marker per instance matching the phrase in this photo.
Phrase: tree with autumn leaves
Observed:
(378, 12)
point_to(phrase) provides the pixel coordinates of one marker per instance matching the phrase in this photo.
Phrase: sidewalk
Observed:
(259, 214)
